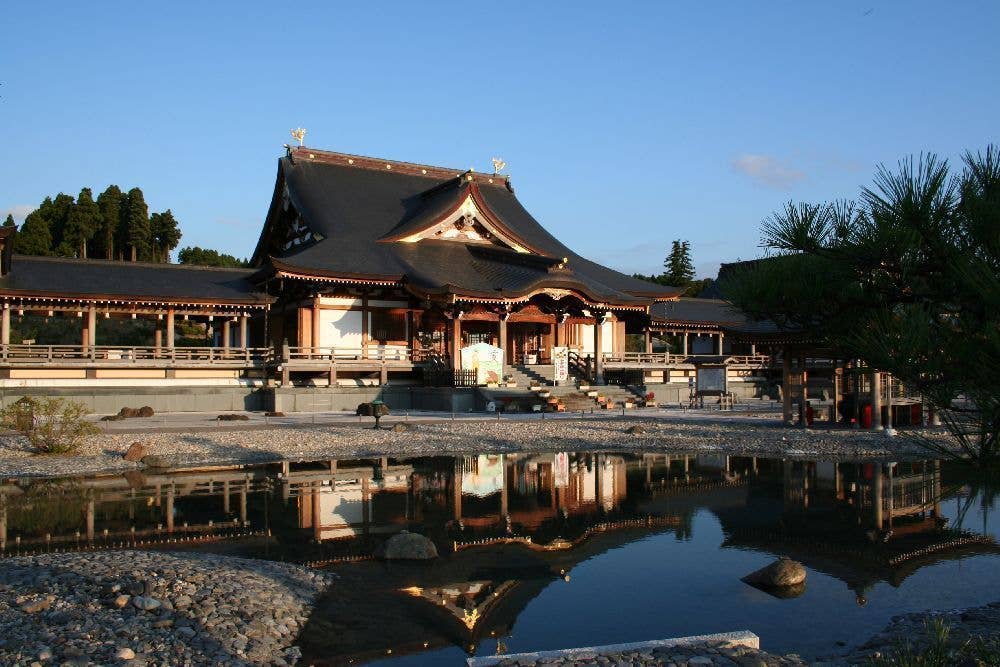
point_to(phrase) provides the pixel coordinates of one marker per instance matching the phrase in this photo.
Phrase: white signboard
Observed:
(486, 360)
(560, 358)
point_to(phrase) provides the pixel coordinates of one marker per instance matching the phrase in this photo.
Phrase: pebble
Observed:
(80, 626)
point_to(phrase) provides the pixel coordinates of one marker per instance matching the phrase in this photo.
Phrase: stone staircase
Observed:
(525, 376)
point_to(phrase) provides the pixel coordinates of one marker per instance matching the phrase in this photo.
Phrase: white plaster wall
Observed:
(607, 338)
(340, 329)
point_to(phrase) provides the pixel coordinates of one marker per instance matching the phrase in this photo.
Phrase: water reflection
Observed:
(513, 528)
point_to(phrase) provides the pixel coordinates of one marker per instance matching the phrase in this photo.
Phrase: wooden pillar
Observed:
(804, 398)
(877, 498)
(317, 511)
(649, 341)
(5, 325)
(502, 336)
(225, 496)
(456, 490)
(244, 331)
(455, 345)
(226, 333)
(365, 326)
(3, 522)
(170, 328)
(876, 399)
(684, 347)
(838, 384)
(598, 350)
(786, 386)
(91, 512)
(169, 510)
(243, 504)
(503, 486)
(316, 335)
(721, 337)
(888, 401)
(158, 338)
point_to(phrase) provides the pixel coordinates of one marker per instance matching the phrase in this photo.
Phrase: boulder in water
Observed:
(783, 574)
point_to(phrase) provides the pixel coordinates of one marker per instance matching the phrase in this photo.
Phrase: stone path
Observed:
(656, 433)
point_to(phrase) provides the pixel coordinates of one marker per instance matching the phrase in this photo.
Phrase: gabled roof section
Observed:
(378, 219)
(457, 210)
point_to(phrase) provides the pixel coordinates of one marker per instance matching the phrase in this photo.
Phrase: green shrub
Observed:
(52, 425)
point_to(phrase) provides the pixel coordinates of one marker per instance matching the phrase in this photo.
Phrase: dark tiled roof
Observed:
(698, 311)
(128, 281)
(359, 209)
(714, 312)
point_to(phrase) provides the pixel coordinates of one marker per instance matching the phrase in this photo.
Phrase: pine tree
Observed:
(680, 269)
(165, 235)
(110, 204)
(56, 212)
(34, 237)
(82, 223)
(9, 222)
(137, 231)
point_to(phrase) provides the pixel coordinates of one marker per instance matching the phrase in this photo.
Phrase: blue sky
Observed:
(624, 125)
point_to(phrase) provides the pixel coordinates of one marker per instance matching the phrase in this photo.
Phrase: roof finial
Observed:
(299, 134)
(498, 166)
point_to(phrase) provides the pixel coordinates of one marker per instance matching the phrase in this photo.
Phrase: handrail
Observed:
(371, 353)
(130, 354)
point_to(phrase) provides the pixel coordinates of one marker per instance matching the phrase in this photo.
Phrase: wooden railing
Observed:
(665, 358)
(333, 354)
(131, 355)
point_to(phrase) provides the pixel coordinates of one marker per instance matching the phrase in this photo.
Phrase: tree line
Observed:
(117, 225)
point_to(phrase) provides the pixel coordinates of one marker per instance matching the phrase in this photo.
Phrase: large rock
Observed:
(783, 573)
(408, 546)
(157, 461)
(135, 452)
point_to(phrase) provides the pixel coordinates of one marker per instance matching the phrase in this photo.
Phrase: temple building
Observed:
(386, 265)
(427, 287)
(367, 272)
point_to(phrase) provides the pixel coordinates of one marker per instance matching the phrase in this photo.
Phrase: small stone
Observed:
(700, 660)
(45, 654)
(125, 653)
(145, 603)
(163, 623)
(121, 601)
(35, 606)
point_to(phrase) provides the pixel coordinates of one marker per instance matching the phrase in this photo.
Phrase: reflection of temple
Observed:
(860, 522)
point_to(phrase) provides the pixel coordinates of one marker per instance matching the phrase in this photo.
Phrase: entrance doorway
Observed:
(529, 343)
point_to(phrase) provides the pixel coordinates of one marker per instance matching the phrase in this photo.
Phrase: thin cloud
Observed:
(768, 171)
(19, 211)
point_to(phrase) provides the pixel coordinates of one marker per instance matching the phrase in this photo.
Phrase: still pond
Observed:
(558, 550)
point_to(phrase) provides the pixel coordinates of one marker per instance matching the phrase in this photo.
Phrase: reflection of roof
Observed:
(357, 210)
(129, 281)
(409, 624)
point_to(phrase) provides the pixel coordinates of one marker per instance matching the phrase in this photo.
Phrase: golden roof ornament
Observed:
(498, 166)
(299, 134)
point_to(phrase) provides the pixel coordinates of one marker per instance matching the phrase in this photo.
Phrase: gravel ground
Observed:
(141, 607)
(743, 436)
